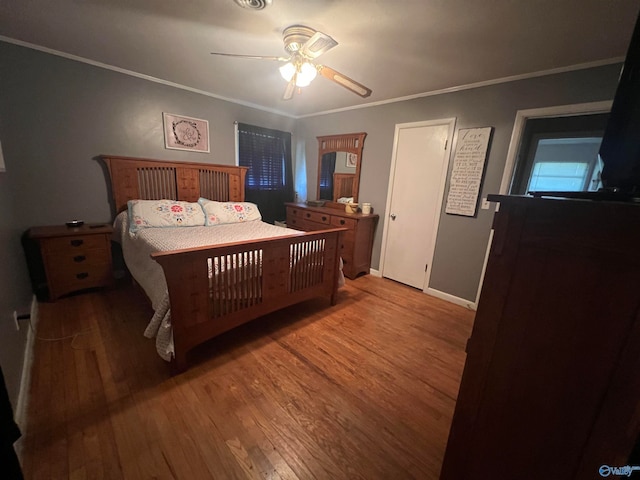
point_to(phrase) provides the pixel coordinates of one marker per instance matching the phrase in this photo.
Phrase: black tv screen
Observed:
(620, 148)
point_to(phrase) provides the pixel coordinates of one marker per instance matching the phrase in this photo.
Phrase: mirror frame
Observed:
(348, 142)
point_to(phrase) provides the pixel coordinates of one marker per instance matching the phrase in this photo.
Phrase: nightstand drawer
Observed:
(69, 259)
(73, 243)
(70, 280)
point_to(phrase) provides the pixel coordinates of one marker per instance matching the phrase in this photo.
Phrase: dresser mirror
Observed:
(339, 160)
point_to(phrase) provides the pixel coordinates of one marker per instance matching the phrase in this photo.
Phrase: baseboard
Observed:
(451, 298)
(20, 414)
(375, 273)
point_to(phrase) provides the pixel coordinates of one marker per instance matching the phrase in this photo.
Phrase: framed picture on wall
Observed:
(185, 133)
(352, 160)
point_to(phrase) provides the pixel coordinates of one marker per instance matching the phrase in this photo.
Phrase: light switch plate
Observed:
(485, 204)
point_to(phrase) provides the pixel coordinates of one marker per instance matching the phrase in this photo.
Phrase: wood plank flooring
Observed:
(362, 390)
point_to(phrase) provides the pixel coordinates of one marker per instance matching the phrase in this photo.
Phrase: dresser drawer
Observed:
(349, 223)
(317, 217)
(296, 222)
(294, 211)
(74, 243)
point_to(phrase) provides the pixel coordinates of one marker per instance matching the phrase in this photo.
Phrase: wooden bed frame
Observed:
(284, 270)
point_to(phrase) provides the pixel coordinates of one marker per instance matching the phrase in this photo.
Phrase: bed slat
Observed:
(157, 183)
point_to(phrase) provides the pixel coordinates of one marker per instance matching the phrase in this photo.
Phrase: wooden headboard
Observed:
(147, 179)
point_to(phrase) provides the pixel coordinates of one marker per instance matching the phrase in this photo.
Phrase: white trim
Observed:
(236, 136)
(468, 86)
(484, 264)
(451, 298)
(22, 403)
(451, 122)
(375, 273)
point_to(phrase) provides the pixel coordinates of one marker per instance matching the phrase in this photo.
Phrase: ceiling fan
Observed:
(304, 44)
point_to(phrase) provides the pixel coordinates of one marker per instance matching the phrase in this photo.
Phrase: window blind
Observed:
(267, 154)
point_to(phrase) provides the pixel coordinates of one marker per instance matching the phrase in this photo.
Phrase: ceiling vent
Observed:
(253, 4)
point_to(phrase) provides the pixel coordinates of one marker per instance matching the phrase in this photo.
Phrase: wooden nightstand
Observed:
(75, 258)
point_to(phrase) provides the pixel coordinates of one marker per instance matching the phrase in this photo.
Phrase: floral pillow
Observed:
(163, 213)
(219, 213)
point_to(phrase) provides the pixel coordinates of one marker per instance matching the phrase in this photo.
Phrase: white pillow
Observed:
(219, 213)
(163, 213)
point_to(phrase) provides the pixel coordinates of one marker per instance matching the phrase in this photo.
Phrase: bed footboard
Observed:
(214, 289)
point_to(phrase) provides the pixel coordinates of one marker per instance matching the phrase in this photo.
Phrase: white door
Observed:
(418, 176)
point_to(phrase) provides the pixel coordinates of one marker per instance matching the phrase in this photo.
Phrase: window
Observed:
(560, 154)
(566, 164)
(328, 166)
(269, 181)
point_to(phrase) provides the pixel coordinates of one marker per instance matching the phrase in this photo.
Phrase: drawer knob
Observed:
(76, 243)
(79, 258)
(324, 219)
(82, 275)
(308, 215)
(341, 222)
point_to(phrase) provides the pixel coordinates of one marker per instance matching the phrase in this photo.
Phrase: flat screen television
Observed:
(620, 147)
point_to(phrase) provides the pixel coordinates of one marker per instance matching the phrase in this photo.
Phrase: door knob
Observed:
(393, 216)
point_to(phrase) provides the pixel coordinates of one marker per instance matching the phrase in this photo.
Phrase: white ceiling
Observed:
(398, 48)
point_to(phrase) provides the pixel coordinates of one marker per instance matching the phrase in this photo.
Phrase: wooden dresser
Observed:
(357, 241)
(74, 258)
(550, 387)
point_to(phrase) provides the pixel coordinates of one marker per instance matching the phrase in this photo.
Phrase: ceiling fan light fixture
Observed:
(253, 4)
(306, 73)
(287, 70)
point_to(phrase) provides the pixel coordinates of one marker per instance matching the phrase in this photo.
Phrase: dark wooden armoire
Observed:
(551, 384)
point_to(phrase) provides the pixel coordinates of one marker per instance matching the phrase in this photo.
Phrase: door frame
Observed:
(451, 123)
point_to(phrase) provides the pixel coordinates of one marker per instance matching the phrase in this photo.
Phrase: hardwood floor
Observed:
(361, 390)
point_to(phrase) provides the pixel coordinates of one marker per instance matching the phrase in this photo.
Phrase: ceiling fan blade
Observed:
(318, 44)
(291, 88)
(256, 57)
(344, 81)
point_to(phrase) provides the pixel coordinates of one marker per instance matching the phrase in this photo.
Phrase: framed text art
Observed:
(186, 133)
(468, 171)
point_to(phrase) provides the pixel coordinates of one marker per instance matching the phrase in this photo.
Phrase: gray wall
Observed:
(57, 115)
(462, 241)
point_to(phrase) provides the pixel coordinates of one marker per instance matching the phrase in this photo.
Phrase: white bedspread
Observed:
(137, 248)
